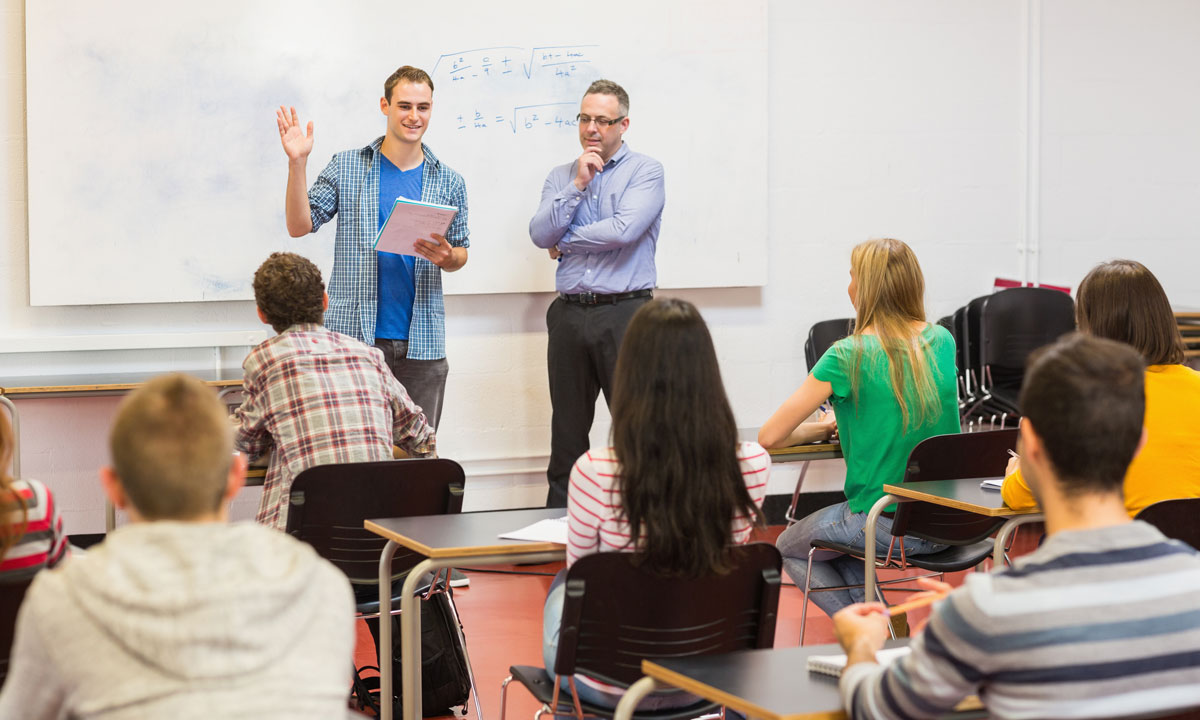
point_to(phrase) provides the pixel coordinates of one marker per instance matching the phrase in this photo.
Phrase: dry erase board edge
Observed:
(129, 341)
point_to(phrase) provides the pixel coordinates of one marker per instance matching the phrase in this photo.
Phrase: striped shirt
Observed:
(43, 543)
(319, 397)
(349, 188)
(1095, 623)
(595, 521)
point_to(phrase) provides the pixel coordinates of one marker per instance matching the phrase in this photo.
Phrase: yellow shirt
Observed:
(1168, 467)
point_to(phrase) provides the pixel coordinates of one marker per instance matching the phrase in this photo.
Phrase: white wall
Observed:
(901, 119)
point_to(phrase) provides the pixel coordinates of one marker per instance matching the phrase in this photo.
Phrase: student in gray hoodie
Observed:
(179, 614)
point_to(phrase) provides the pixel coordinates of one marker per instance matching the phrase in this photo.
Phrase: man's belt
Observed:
(588, 298)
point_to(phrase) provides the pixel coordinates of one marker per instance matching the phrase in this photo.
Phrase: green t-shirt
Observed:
(871, 427)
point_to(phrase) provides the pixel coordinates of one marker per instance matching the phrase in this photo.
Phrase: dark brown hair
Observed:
(289, 290)
(1123, 301)
(172, 447)
(1085, 396)
(11, 502)
(406, 73)
(676, 442)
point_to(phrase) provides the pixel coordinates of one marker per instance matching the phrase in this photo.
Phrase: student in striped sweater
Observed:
(675, 478)
(1100, 621)
(31, 533)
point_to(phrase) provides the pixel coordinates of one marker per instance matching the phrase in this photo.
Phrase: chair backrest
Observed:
(328, 504)
(1177, 519)
(822, 336)
(606, 635)
(11, 595)
(946, 457)
(1017, 321)
(972, 314)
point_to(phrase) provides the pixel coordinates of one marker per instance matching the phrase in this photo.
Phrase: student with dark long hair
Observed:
(31, 528)
(676, 485)
(1123, 301)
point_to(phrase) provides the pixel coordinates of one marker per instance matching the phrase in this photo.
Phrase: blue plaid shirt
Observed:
(353, 175)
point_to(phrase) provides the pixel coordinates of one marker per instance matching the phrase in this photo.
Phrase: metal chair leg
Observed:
(466, 655)
(504, 696)
(807, 587)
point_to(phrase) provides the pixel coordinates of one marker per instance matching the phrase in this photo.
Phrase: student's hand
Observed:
(861, 629)
(296, 143)
(1014, 464)
(829, 420)
(439, 251)
(555, 253)
(932, 587)
(586, 168)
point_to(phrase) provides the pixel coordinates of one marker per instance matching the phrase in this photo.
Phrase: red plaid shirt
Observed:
(315, 397)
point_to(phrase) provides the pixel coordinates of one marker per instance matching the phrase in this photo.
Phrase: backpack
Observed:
(445, 677)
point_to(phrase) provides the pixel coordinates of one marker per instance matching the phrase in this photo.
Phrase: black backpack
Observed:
(445, 678)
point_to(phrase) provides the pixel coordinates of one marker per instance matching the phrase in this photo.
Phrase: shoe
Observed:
(458, 579)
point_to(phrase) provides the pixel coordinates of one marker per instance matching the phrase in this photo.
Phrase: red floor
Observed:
(502, 616)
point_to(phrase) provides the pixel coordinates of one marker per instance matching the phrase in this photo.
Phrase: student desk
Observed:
(771, 684)
(796, 453)
(963, 494)
(446, 541)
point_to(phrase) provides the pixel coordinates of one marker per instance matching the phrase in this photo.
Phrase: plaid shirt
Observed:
(353, 177)
(320, 397)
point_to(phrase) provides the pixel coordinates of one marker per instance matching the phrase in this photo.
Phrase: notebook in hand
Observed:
(834, 664)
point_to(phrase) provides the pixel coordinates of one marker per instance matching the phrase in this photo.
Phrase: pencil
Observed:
(920, 602)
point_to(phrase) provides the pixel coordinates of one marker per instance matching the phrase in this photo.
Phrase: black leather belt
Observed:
(596, 299)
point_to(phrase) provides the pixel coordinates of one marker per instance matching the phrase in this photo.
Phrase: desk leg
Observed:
(385, 629)
(633, 696)
(869, 541)
(1006, 531)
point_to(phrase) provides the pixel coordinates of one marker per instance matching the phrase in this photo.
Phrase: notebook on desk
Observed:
(834, 664)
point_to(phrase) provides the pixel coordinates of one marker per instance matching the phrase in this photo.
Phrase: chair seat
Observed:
(541, 685)
(371, 607)
(952, 559)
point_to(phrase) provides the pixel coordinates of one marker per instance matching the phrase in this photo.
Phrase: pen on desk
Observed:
(1014, 454)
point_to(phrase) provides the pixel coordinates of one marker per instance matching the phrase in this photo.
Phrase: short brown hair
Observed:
(406, 73)
(1086, 398)
(289, 290)
(1122, 300)
(172, 448)
(608, 87)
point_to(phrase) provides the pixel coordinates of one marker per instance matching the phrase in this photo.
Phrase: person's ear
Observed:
(113, 488)
(383, 105)
(262, 315)
(325, 301)
(236, 479)
(1142, 441)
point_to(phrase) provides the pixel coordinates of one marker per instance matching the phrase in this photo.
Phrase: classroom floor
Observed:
(502, 617)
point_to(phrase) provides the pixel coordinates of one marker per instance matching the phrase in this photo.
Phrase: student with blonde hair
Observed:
(1122, 300)
(180, 614)
(892, 385)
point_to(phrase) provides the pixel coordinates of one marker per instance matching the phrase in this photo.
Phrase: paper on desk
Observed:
(834, 664)
(410, 220)
(551, 530)
(992, 483)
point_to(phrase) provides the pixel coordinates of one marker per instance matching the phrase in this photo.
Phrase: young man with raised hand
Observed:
(392, 301)
(180, 614)
(1101, 621)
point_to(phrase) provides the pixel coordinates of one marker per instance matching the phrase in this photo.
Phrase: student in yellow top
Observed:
(892, 385)
(1123, 301)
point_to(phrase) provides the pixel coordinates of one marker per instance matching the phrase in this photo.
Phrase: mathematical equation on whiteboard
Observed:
(515, 89)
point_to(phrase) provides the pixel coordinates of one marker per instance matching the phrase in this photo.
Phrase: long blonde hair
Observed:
(890, 297)
(11, 502)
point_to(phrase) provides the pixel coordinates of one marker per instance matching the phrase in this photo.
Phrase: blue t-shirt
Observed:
(396, 277)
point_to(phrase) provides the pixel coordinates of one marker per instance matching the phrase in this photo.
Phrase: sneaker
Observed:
(458, 579)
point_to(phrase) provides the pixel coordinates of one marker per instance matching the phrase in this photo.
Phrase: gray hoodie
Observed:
(185, 620)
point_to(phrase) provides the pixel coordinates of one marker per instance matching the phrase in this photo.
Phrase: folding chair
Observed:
(821, 337)
(328, 504)
(941, 457)
(1012, 324)
(1177, 519)
(605, 635)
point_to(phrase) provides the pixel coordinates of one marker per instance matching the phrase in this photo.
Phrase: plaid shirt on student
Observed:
(349, 188)
(319, 397)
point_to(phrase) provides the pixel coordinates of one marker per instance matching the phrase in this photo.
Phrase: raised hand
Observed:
(296, 142)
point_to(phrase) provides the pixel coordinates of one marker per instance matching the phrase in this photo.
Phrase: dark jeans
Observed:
(580, 357)
(425, 380)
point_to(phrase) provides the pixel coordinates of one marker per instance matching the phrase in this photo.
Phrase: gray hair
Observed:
(608, 87)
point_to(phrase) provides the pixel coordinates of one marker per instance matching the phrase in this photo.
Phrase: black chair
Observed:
(328, 504)
(941, 457)
(11, 595)
(821, 337)
(1012, 324)
(1177, 519)
(616, 614)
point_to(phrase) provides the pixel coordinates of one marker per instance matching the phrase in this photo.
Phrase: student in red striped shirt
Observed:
(31, 533)
(675, 462)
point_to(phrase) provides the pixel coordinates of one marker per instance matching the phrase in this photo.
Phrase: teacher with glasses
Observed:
(599, 217)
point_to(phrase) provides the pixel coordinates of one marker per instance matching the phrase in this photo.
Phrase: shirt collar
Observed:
(373, 150)
(619, 155)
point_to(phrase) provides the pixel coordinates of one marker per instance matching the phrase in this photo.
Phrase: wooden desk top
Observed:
(796, 453)
(964, 494)
(101, 384)
(466, 534)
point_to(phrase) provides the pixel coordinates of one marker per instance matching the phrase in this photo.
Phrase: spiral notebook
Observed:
(834, 664)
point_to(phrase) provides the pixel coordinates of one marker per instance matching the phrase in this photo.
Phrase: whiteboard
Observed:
(156, 174)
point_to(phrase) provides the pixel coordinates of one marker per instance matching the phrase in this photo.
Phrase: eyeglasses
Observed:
(585, 120)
